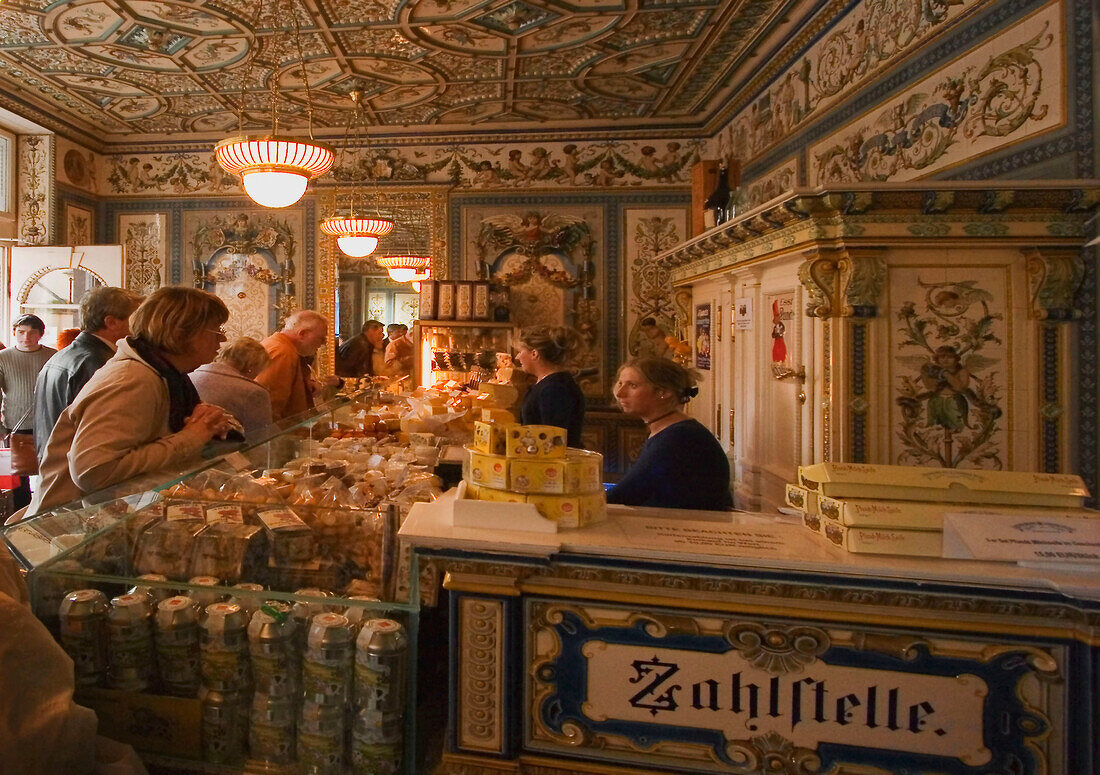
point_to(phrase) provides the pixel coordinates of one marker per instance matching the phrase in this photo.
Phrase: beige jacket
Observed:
(115, 429)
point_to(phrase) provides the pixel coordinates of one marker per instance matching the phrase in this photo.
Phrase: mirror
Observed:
(55, 297)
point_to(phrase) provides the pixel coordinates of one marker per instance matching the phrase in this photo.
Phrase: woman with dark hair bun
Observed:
(682, 465)
(555, 398)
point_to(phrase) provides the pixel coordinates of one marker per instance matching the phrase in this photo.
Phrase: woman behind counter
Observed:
(555, 398)
(682, 466)
(139, 412)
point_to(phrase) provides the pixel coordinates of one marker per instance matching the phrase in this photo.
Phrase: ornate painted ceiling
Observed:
(110, 72)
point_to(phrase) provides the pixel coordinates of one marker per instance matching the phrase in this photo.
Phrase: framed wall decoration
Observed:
(79, 225)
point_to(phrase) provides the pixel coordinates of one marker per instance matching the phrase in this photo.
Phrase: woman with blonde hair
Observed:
(682, 465)
(230, 382)
(555, 398)
(139, 413)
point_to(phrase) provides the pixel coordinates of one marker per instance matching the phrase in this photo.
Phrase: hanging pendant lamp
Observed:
(356, 235)
(404, 268)
(275, 169)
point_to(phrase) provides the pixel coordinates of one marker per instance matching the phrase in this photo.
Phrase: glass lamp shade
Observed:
(274, 189)
(404, 269)
(357, 237)
(274, 170)
(356, 246)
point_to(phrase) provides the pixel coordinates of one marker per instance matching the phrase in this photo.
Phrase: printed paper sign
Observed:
(1022, 537)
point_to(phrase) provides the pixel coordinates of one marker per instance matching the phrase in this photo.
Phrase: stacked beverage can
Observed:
(275, 667)
(248, 603)
(205, 597)
(224, 649)
(157, 593)
(271, 735)
(327, 662)
(357, 614)
(376, 743)
(83, 626)
(224, 726)
(321, 733)
(303, 613)
(381, 655)
(381, 658)
(177, 639)
(49, 589)
(131, 655)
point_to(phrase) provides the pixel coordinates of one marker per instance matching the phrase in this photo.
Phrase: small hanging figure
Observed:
(779, 345)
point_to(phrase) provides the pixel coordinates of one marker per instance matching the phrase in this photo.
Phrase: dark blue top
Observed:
(682, 467)
(556, 400)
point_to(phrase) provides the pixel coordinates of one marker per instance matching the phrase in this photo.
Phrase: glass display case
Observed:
(261, 539)
(466, 352)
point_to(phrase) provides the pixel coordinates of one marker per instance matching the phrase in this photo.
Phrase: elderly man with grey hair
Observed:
(105, 317)
(288, 377)
(230, 382)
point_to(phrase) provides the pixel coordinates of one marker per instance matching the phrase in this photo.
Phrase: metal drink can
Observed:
(157, 593)
(357, 614)
(271, 729)
(177, 640)
(303, 612)
(204, 597)
(224, 648)
(248, 603)
(321, 732)
(83, 625)
(327, 663)
(131, 656)
(381, 657)
(275, 661)
(376, 743)
(224, 722)
(49, 589)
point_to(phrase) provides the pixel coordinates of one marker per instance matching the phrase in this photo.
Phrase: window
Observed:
(7, 174)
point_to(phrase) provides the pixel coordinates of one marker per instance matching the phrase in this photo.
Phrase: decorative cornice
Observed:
(1030, 213)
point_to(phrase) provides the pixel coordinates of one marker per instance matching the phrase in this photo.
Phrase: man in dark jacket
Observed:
(363, 355)
(105, 314)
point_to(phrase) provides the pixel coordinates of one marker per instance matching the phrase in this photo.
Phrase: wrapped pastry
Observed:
(290, 538)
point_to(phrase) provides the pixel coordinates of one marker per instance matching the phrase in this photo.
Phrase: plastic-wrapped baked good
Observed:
(166, 547)
(290, 538)
(227, 549)
(245, 488)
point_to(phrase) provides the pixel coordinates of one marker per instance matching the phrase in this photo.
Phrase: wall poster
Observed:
(702, 336)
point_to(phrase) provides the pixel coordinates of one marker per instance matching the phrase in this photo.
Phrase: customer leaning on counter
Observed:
(230, 382)
(140, 412)
(682, 466)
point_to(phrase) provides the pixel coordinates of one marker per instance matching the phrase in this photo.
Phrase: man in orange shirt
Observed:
(288, 377)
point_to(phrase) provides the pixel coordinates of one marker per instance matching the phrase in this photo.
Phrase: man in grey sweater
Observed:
(19, 367)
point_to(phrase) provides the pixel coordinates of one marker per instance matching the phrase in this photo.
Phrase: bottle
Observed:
(714, 208)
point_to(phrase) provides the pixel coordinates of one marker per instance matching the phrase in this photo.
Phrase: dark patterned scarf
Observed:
(182, 396)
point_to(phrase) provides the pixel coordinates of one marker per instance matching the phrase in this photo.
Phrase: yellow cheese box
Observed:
(503, 395)
(802, 499)
(502, 416)
(914, 515)
(488, 470)
(571, 510)
(945, 485)
(583, 471)
(812, 521)
(490, 438)
(879, 540)
(536, 441)
(536, 476)
(474, 492)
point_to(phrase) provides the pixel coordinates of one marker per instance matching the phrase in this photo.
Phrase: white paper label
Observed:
(1039, 537)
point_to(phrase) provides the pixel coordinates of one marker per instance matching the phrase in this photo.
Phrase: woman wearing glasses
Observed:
(140, 412)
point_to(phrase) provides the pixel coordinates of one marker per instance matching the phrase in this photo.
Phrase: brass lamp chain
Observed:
(250, 65)
(302, 65)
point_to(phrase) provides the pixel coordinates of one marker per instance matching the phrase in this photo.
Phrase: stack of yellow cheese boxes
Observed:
(877, 509)
(531, 464)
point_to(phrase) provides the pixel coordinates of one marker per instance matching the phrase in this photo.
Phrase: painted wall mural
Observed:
(79, 225)
(871, 38)
(495, 166)
(145, 239)
(248, 260)
(771, 184)
(652, 311)
(1006, 90)
(36, 189)
(547, 259)
(77, 166)
(951, 363)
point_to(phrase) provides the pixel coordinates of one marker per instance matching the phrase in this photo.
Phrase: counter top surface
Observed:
(771, 542)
